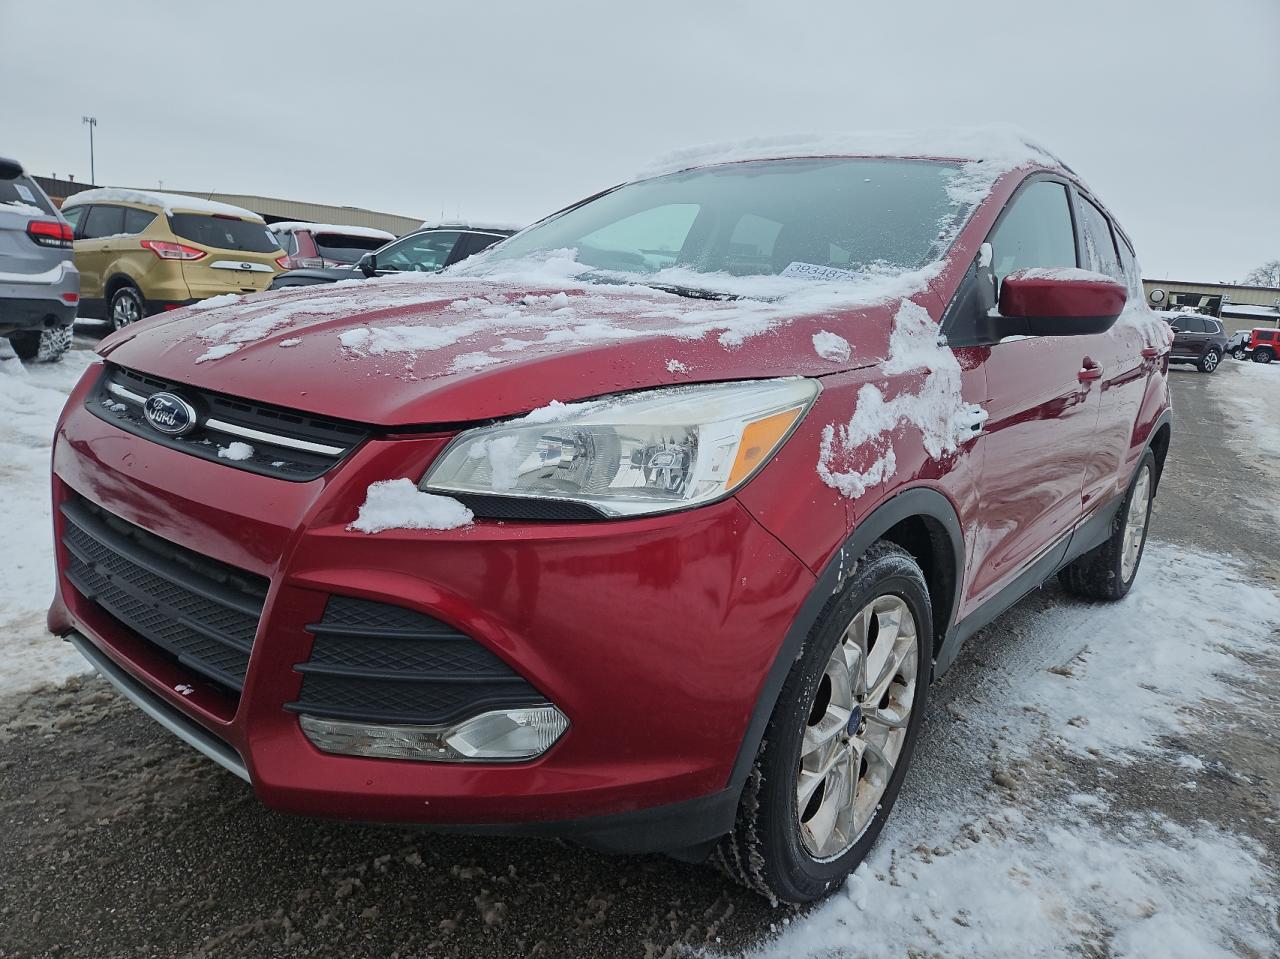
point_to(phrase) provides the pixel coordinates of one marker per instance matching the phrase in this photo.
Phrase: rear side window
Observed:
(1035, 231)
(425, 253)
(479, 241)
(288, 242)
(223, 232)
(1129, 263)
(344, 248)
(135, 221)
(1099, 247)
(22, 192)
(1266, 335)
(103, 221)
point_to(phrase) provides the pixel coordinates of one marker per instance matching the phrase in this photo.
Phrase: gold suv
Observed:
(141, 252)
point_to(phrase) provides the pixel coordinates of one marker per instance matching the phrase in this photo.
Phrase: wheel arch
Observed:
(116, 282)
(920, 520)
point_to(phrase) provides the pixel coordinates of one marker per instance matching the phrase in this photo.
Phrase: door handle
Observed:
(1089, 371)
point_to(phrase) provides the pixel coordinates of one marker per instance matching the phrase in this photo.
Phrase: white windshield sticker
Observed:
(811, 271)
(24, 192)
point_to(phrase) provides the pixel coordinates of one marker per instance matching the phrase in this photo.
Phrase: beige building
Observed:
(1242, 306)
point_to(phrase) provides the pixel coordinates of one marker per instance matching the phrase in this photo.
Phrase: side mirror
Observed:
(1059, 302)
(368, 264)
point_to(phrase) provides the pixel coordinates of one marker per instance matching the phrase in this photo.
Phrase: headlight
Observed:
(646, 452)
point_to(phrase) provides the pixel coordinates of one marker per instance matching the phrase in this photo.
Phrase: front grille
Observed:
(197, 610)
(284, 443)
(387, 664)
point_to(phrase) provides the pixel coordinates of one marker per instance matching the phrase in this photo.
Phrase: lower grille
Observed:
(387, 664)
(201, 612)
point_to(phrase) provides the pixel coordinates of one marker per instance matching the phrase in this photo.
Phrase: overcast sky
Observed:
(1170, 109)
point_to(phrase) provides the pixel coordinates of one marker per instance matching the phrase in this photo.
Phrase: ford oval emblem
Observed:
(169, 414)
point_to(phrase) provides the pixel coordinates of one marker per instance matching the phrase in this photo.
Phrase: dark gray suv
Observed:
(39, 282)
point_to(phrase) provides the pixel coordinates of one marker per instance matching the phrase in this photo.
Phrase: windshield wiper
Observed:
(692, 292)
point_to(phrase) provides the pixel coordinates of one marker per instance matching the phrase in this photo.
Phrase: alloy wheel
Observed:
(125, 309)
(857, 726)
(1211, 362)
(1135, 524)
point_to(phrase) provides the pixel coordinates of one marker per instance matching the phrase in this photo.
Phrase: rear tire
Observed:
(1107, 572)
(1209, 362)
(1263, 355)
(126, 307)
(837, 742)
(42, 346)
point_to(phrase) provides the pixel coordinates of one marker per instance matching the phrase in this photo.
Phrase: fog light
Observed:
(508, 733)
(504, 734)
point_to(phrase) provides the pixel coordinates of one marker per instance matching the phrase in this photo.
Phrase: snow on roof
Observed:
(1002, 147)
(1245, 309)
(292, 226)
(480, 225)
(169, 202)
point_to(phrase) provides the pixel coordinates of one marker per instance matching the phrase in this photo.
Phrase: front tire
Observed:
(1238, 353)
(840, 738)
(126, 307)
(1263, 355)
(1209, 362)
(1107, 572)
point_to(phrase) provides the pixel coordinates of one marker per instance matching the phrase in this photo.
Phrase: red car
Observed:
(324, 245)
(648, 527)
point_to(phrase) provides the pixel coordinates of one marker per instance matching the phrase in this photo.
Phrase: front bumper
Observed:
(652, 635)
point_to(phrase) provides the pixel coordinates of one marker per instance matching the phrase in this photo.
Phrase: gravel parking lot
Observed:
(1072, 795)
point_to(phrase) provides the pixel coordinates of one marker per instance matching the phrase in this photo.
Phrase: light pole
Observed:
(92, 122)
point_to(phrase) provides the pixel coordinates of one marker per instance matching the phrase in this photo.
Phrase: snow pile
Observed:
(831, 346)
(169, 202)
(399, 504)
(243, 320)
(30, 400)
(17, 206)
(222, 299)
(675, 366)
(859, 455)
(1052, 866)
(235, 451)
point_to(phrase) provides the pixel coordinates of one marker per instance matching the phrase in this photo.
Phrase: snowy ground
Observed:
(31, 397)
(1092, 780)
(1252, 390)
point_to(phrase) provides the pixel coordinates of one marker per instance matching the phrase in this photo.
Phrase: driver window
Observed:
(424, 253)
(1035, 231)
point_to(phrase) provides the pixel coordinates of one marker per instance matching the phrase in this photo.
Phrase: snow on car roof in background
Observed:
(1003, 147)
(168, 201)
(292, 226)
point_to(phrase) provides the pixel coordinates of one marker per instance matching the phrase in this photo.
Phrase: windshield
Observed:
(345, 248)
(808, 218)
(224, 232)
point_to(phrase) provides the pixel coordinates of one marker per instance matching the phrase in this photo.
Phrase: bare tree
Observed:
(1266, 275)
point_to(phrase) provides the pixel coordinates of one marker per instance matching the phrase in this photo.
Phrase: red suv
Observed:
(648, 527)
(1263, 345)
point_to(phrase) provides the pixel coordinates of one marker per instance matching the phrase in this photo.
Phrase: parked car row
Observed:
(121, 255)
(1201, 341)
(428, 250)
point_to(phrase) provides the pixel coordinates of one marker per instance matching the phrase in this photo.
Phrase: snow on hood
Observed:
(430, 333)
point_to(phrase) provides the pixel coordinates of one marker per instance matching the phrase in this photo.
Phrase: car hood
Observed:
(432, 350)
